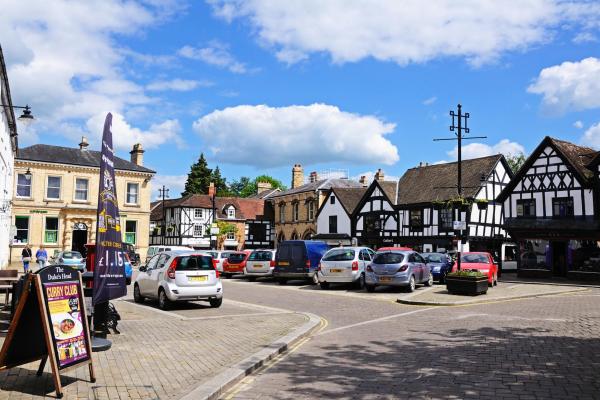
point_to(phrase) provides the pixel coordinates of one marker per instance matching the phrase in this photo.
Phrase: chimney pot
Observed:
(211, 189)
(297, 176)
(314, 177)
(137, 154)
(262, 186)
(379, 175)
(84, 143)
(363, 180)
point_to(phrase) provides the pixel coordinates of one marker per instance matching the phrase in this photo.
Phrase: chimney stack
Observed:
(313, 177)
(379, 175)
(84, 143)
(211, 189)
(363, 180)
(297, 176)
(137, 154)
(262, 186)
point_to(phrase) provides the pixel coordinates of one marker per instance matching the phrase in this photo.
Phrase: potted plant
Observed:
(467, 282)
(438, 205)
(482, 203)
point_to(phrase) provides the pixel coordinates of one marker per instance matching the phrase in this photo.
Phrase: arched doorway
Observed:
(280, 237)
(308, 235)
(295, 236)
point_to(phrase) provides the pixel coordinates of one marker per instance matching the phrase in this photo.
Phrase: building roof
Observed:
(432, 183)
(246, 208)
(73, 156)
(390, 188)
(578, 156)
(264, 194)
(323, 184)
(349, 197)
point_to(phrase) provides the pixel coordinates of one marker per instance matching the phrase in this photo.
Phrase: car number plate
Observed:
(200, 278)
(385, 279)
(336, 270)
(283, 263)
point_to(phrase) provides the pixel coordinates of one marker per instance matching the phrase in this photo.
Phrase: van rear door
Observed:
(291, 257)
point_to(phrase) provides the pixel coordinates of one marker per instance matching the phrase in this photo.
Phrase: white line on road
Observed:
(376, 320)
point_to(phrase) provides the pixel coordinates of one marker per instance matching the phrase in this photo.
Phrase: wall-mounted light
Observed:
(28, 174)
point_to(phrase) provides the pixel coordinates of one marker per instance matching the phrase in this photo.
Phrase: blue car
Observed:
(298, 259)
(71, 258)
(439, 263)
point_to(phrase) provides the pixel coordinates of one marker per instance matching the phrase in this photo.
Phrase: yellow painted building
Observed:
(56, 196)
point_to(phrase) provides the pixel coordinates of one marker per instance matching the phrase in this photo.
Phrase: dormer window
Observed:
(231, 212)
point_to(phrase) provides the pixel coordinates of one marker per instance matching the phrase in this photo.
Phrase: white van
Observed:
(509, 257)
(153, 250)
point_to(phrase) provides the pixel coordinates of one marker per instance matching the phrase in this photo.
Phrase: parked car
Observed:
(153, 250)
(235, 263)
(298, 259)
(398, 268)
(394, 249)
(70, 258)
(439, 263)
(134, 257)
(480, 261)
(219, 257)
(344, 265)
(260, 263)
(179, 276)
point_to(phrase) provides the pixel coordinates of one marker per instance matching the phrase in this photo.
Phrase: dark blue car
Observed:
(298, 259)
(439, 264)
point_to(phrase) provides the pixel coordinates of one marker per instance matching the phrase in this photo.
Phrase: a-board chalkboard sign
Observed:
(50, 323)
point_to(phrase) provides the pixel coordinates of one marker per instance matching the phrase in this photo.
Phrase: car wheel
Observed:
(137, 296)
(163, 301)
(429, 281)
(251, 278)
(227, 276)
(412, 284)
(282, 281)
(359, 284)
(370, 288)
(128, 281)
(324, 285)
(216, 303)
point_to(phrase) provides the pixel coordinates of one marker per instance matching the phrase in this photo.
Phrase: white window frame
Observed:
(230, 236)
(30, 180)
(87, 190)
(198, 213)
(137, 197)
(230, 212)
(200, 232)
(48, 187)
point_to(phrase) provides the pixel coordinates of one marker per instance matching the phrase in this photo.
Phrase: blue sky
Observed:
(259, 85)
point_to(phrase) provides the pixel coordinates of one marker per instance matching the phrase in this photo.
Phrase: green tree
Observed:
(237, 186)
(199, 178)
(224, 229)
(246, 187)
(220, 182)
(515, 161)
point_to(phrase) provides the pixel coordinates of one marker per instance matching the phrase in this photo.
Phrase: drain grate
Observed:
(145, 392)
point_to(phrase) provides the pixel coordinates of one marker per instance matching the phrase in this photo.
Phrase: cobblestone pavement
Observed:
(536, 348)
(161, 355)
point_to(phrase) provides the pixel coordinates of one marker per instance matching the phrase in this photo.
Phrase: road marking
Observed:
(376, 320)
(157, 310)
(255, 306)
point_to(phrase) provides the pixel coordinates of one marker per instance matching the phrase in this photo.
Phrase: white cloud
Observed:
(585, 37)
(430, 101)
(266, 136)
(591, 137)
(476, 150)
(217, 54)
(569, 86)
(175, 184)
(405, 31)
(578, 124)
(64, 61)
(179, 85)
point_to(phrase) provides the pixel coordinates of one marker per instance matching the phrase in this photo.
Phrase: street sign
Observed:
(459, 225)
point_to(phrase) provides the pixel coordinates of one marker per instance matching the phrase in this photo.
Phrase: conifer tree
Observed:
(199, 178)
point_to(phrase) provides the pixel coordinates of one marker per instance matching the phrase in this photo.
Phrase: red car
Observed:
(394, 248)
(480, 261)
(235, 263)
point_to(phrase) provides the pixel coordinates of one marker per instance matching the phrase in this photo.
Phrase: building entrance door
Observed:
(80, 237)
(559, 258)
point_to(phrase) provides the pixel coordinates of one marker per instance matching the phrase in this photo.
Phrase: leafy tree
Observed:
(220, 182)
(237, 186)
(199, 178)
(246, 187)
(224, 229)
(515, 161)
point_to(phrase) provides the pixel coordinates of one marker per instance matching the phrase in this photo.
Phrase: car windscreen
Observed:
(236, 258)
(435, 258)
(388, 258)
(339, 255)
(68, 255)
(474, 258)
(260, 256)
(194, 263)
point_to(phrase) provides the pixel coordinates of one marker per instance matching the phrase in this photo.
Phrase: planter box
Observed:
(466, 285)
(534, 273)
(482, 205)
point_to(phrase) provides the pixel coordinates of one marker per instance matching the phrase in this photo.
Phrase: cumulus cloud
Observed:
(591, 137)
(405, 31)
(266, 136)
(578, 124)
(63, 60)
(476, 150)
(217, 54)
(175, 184)
(569, 86)
(178, 85)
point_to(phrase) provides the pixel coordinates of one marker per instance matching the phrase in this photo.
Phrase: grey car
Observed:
(398, 268)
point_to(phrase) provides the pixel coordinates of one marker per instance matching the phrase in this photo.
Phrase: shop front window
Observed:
(584, 255)
(535, 254)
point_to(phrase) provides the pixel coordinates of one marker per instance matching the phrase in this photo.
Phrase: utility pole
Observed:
(164, 193)
(458, 128)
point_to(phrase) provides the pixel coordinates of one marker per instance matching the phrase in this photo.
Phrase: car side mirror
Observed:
(143, 268)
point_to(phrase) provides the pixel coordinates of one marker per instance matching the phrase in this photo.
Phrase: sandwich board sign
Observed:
(50, 323)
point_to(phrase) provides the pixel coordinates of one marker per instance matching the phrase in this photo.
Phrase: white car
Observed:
(154, 250)
(260, 263)
(219, 256)
(344, 265)
(179, 276)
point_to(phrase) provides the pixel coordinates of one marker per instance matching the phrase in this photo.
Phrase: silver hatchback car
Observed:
(398, 268)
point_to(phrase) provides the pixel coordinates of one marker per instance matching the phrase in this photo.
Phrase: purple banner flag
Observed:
(109, 268)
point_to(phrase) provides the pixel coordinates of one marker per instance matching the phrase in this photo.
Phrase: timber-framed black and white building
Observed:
(551, 210)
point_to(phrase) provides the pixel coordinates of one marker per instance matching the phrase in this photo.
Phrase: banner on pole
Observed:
(109, 268)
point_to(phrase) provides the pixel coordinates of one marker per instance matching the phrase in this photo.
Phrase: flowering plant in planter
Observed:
(467, 282)
(482, 203)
